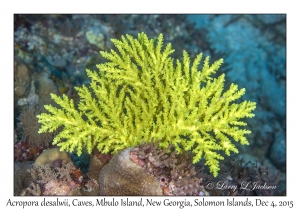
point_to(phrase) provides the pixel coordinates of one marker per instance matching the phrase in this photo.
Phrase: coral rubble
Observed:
(60, 178)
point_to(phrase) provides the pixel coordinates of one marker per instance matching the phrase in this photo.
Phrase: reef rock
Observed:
(121, 176)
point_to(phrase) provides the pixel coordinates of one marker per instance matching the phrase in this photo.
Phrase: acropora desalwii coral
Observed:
(141, 94)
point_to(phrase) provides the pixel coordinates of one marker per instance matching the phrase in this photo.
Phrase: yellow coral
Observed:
(142, 94)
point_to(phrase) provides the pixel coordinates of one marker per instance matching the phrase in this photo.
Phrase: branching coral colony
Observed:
(141, 94)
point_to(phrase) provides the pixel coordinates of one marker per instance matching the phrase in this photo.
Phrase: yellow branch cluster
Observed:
(141, 94)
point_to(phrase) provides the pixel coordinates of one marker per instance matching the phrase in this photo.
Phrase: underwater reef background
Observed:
(51, 53)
